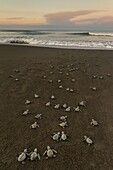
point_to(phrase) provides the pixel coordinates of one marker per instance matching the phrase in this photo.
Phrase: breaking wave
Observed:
(91, 34)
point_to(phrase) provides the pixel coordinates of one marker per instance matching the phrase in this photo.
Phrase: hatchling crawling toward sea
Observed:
(27, 102)
(34, 125)
(94, 122)
(63, 118)
(77, 109)
(38, 116)
(50, 152)
(22, 156)
(56, 136)
(82, 103)
(63, 124)
(26, 112)
(34, 155)
(88, 140)
(63, 136)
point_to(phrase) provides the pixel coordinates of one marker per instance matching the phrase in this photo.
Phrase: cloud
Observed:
(98, 21)
(15, 18)
(65, 18)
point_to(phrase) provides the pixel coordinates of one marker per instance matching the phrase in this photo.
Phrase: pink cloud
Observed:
(15, 18)
(92, 21)
(66, 17)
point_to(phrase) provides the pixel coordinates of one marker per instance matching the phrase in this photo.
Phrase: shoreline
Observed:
(55, 47)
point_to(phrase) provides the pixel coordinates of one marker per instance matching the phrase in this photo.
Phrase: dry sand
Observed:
(15, 132)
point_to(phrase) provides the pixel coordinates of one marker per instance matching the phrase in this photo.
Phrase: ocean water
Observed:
(62, 39)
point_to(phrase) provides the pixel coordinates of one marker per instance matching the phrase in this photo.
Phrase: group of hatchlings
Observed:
(59, 136)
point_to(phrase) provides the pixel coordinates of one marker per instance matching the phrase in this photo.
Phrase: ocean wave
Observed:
(91, 34)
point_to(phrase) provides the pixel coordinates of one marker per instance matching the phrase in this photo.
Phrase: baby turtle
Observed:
(94, 77)
(88, 140)
(60, 87)
(73, 80)
(67, 74)
(26, 112)
(57, 106)
(48, 104)
(77, 109)
(68, 109)
(17, 71)
(50, 152)
(108, 75)
(82, 103)
(34, 125)
(63, 118)
(64, 106)
(67, 89)
(51, 72)
(50, 81)
(52, 97)
(63, 136)
(71, 90)
(36, 96)
(16, 79)
(22, 156)
(63, 124)
(56, 136)
(44, 77)
(101, 77)
(38, 116)
(27, 102)
(94, 88)
(59, 81)
(34, 155)
(94, 122)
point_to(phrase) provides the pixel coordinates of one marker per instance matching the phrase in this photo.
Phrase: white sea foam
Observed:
(59, 39)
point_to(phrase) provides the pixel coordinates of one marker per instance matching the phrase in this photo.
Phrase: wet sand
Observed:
(15, 134)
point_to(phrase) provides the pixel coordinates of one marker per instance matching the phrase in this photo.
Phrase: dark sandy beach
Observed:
(15, 134)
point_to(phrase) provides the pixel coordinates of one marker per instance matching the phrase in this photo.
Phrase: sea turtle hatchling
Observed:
(94, 122)
(82, 103)
(60, 87)
(34, 125)
(27, 102)
(63, 118)
(59, 81)
(50, 81)
(38, 116)
(48, 104)
(36, 96)
(26, 112)
(56, 136)
(64, 105)
(77, 109)
(63, 136)
(22, 156)
(34, 155)
(88, 140)
(57, 106)
(52, 97)
(63, 124)
(94, 88)
(68, 109)
(50, 152)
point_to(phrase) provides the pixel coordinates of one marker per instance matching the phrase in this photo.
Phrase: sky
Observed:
(70, 14)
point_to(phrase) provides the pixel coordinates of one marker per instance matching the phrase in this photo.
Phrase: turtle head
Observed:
(25, 150)
(48, 147)
(85, 137)
(35, 150)
(58, 133)
(62, 132)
